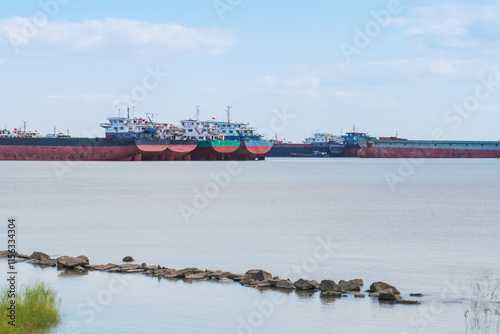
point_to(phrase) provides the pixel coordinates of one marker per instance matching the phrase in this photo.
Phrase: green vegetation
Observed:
(482, 311)
(36, 309)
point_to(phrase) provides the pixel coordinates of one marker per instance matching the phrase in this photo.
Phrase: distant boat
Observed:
(329, 143)
(314, 154)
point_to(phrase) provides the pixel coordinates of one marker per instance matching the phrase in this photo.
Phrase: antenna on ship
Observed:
(133, 111)
(228, 111)
(128, 112)
(197, 113)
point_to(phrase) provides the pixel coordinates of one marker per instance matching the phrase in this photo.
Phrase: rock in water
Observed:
(39, 256)
(196, 276)
(105, 266)
(259, 275)
(330, 294)
(303, 284)
(380, 286)
(388, 294)
(128, 259)
(329, 285)
(407, 302)
(285, 284)
(352, 285)
(72, 262)
(45, 262)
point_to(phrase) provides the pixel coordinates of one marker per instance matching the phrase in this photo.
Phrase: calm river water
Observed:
(424, 226)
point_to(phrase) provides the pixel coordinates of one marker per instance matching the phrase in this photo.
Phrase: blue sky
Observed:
(419, 68)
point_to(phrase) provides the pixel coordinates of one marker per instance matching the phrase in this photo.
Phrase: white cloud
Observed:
(398, 71)
(112, 37)
(342, 80)
(442, 68)
(305, 85)
(453, 25)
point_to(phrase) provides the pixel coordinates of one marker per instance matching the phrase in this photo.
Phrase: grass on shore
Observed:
(482, 312)
(37, 309)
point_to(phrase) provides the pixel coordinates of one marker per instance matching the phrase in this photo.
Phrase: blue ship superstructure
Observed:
(351, 144)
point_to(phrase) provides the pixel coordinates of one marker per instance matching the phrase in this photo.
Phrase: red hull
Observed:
(258, 150)
(174, 152)
(64, 153)
(248, 152)
(400, 152)
(152, 148)
(225, 149)
(350, 153)
(210, 153)
(251, 149)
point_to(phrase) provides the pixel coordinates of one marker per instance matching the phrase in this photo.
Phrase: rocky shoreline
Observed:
(254, 278)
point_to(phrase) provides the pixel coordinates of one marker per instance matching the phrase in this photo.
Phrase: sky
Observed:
(415, 69)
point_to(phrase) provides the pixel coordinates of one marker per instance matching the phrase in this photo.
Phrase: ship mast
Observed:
(228, 112)
(197, 113)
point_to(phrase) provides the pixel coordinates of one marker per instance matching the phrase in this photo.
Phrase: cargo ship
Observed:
(28, 145)
(211, 144)
(126, 139)
(225, 140)
(351, 145)
(252, 146)
(318, 145)
(393, 147)
(154, 140)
